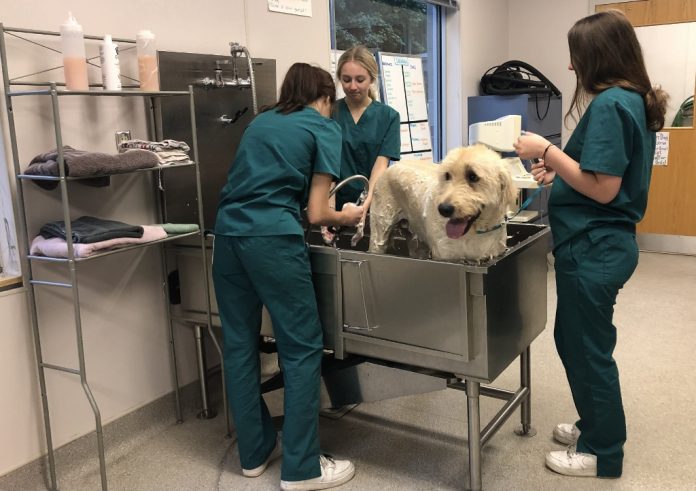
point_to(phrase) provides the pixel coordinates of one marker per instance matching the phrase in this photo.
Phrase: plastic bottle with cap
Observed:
(147, 61)
(111, 69)
(74, 61)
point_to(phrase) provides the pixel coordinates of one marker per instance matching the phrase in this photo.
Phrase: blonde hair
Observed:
(362, 56)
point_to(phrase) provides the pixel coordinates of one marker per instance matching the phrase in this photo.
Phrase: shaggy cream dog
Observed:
(457, 208)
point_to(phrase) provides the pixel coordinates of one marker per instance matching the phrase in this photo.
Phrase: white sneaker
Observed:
(275, 453)
(566, 433)
(333, 473)
(572, 463)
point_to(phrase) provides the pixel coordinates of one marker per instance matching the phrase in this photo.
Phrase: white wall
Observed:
(670, 57)
(125, 335)
(123, 315)
(538, 35)
(495, 31)
(482, 28)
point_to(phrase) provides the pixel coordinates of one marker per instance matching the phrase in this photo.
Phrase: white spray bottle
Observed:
(111, 69)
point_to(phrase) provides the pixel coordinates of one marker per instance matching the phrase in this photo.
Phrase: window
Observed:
(408, 27)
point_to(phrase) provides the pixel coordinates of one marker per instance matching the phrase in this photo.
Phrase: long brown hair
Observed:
(605, 52)
(302, 85)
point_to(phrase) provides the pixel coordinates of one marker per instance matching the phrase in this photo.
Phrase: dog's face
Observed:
(475, 190)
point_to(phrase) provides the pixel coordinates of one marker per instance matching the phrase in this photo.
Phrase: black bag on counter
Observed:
(516, 77)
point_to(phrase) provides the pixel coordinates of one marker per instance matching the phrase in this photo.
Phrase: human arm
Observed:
(378, 169)
(600, 187)
(319, 211)
(390, 149)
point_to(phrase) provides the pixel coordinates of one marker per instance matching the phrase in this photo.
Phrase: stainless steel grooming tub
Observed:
(469, 320)
(399, 325)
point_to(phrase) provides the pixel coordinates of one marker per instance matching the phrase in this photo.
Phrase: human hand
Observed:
(352, 214)
(364, 215)
(530, 145)
(542, 174)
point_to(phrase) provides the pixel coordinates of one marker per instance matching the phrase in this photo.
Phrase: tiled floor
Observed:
(419, 442)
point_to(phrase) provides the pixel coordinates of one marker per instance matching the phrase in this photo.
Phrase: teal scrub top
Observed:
(376, 134)
(268, 183)
(613, 138)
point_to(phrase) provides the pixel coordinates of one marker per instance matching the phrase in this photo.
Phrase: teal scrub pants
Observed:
(249, 272)
(590, 270)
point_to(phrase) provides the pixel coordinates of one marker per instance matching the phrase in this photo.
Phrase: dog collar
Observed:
(524, 205)
(491, 229)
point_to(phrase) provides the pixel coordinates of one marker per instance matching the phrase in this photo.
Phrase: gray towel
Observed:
(87, 230)
(79, 163)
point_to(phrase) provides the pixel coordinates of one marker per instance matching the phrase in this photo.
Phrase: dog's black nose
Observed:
(445, 209)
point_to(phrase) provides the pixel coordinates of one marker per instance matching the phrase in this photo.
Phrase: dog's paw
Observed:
(328, 235)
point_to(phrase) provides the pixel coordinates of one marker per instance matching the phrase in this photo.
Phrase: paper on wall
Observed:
(294, 7)
(661, 148)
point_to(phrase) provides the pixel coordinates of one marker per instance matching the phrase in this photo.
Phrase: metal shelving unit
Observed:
(54, 92)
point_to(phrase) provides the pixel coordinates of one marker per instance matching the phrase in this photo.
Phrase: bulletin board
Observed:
(403, 88)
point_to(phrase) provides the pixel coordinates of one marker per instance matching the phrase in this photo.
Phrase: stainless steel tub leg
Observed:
(206, 412)
(525, 429)
(474, 422)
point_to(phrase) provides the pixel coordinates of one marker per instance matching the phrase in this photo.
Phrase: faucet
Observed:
(356, 177)
(218, 81)
(361, 199)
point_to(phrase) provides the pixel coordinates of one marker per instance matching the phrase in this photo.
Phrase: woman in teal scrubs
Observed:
(600, 191)
(287, 159)
(371, 134)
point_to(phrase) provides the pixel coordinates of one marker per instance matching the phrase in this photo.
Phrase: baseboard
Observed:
(669, 244)
(152, 417)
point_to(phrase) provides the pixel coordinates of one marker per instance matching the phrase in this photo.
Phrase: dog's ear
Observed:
(509, 191)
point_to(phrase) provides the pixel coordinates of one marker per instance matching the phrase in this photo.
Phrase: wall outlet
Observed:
(122, 136)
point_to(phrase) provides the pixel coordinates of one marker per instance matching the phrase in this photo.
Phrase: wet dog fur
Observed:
(457, 208)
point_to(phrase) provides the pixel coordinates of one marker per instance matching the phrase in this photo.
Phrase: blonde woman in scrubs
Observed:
(371, 136)
(287, 159)
(600, 191)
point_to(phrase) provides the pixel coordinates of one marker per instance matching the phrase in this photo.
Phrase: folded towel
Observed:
(88, 229)
(168, 157)
(153, 146)
(79, 163)
(180, 228)
(57, 247)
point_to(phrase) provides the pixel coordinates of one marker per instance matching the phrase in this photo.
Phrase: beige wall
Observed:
(125, 332)
(123, 312)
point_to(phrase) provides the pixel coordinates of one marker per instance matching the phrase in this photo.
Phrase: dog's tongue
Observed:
(456, 227)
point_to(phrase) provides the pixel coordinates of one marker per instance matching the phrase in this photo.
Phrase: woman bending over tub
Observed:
(287, 159)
